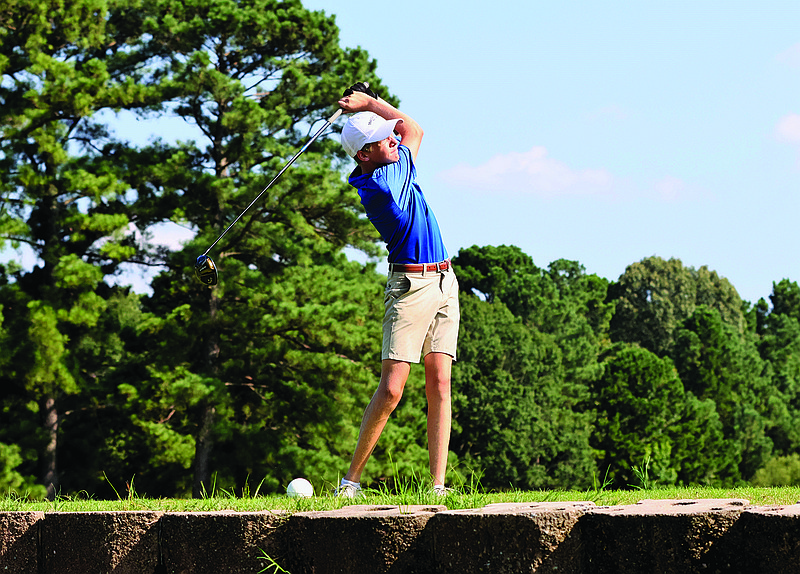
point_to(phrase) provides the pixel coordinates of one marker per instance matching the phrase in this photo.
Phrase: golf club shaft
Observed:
(330, 120)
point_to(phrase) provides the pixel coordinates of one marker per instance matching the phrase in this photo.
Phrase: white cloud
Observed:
(788, 129)
(670, 188)
(791, 57)
(531, 172)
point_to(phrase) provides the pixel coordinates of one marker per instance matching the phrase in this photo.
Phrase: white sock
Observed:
(346, 482)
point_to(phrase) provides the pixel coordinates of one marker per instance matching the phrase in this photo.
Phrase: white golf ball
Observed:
(300, 487)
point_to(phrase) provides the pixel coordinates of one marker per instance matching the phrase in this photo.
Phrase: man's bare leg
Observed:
(437, 388)
(394, 375)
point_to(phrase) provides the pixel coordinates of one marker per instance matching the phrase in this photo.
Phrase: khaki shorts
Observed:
(421, 315)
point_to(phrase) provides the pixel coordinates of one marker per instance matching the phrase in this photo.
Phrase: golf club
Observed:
(205, 269)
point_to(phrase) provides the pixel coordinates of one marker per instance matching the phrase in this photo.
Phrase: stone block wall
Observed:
(652, 537)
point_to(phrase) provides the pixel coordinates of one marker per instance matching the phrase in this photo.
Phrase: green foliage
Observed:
(786, 299)
(654, 296)
(717, 362)
(183, 383)
(700, 453)
(528, 351)
(285, 333)
(779, 344)
(63, 190)
(11, 481)
(510, 417)
(696, 318)
(635, 401)
(780, 471)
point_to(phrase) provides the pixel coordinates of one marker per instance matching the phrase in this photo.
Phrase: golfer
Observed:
(421, 311)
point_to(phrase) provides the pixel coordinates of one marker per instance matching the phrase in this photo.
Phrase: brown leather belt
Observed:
(419, 267)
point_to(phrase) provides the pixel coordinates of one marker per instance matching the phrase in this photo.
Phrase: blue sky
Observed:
(603, 132)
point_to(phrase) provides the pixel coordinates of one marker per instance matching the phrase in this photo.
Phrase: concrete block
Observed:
(100, 542)
(765, 540)
(362, 539)
(510, 538)
(658, 536)
(216, 542)
(19, 541)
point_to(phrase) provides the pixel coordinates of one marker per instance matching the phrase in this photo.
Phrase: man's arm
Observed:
(409, 130)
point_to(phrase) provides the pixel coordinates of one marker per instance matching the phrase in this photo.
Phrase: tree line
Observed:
(562, 376)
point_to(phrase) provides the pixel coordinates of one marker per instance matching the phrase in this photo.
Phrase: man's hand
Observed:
(360, 87)
(357, 102)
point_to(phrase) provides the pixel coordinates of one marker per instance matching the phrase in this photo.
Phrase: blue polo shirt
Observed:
(395, 205)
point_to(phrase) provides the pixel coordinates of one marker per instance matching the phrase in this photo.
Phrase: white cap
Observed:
(363, 128)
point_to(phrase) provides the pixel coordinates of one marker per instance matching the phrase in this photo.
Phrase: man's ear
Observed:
(361, 155)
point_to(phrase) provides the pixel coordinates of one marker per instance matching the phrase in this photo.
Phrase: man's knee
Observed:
(394, 375)
(390, 395)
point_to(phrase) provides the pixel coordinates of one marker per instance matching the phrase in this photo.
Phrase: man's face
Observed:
(384, 151)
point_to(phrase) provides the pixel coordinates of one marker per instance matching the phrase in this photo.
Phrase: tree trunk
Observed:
(205, 434)
(202, 453)
(50, 476)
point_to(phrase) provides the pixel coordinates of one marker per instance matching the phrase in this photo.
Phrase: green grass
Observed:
(403, 496)
(404, 491)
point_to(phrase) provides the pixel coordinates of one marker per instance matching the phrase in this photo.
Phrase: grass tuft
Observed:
(272, 567)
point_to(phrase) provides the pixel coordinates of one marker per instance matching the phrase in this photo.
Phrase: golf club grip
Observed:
(335, 115)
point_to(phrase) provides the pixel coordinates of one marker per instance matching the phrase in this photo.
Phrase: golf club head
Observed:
(206, 270)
